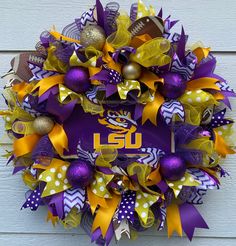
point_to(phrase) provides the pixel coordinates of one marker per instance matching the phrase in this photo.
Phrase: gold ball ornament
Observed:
(43, 125)
(94, 36)
(132, 70)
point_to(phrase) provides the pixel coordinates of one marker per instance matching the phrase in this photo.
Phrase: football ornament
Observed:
(117, 126)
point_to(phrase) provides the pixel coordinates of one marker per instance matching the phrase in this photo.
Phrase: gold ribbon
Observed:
(58, 138)
(201, 53)
(202, 83)
(54, 219)
(173, 220)
(221, 147)
(150, 79)
(22, 89)
(47, 83)
(25, 145)
(151, 109)
(60, 37)
(95, 200)
(104, 215)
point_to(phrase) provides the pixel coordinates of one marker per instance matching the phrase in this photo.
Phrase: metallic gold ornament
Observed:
(132, 70)
(93, 36)
(43, 125)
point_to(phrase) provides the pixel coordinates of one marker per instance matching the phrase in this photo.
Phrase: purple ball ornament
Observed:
(77, 79)
(174, 86)
(172, 167)
(79, 174)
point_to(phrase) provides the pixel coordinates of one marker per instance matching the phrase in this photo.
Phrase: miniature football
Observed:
(151, 25)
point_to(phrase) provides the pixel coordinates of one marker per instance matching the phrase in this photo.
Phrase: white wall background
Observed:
(21, 22)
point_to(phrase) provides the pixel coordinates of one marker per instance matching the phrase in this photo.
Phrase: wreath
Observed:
(117, 125)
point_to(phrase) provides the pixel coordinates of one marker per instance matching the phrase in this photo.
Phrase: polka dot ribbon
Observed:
(127, 206)
(187, 180)
(98, 186)
(34, 200)
(55, 177)
(197, 98)
(218, 119)
(143, 203)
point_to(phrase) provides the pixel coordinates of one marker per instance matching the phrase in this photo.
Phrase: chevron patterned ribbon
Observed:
(170, 109)
(207, 182)
(152, 157)
(187, 70)
(74, 197)
(39, 73)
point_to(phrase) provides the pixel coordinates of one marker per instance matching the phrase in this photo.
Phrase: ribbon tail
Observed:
(104, 216)
(47, 83)
(221, 147)
(173, 220)
(58, 138)
(150, 111)
(203, 83)
(191, 219)
(25, 145)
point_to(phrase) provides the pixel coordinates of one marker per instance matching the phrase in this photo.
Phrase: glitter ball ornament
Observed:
(172, 167)
(43, 125)
(94, 36)
(132, 70)
(79, 174)
(173, 86)
(77, 79)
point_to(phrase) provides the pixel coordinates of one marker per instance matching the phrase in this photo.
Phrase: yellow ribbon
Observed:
(73, 219)
(152, 52)
(173, 220)
(142, 206)
(47, 83)
(25, 145)
(143, 173)
(52, 63)
(55, 177)
(58, 138)
(144, 11)
(186, 180)
(29, 180)
(151, 109)
(99, 184)
(128, 85)
(122, 36)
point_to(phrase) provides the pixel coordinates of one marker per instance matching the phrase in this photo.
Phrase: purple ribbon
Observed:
(60, 111)
(191, 219)
(55, 205)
